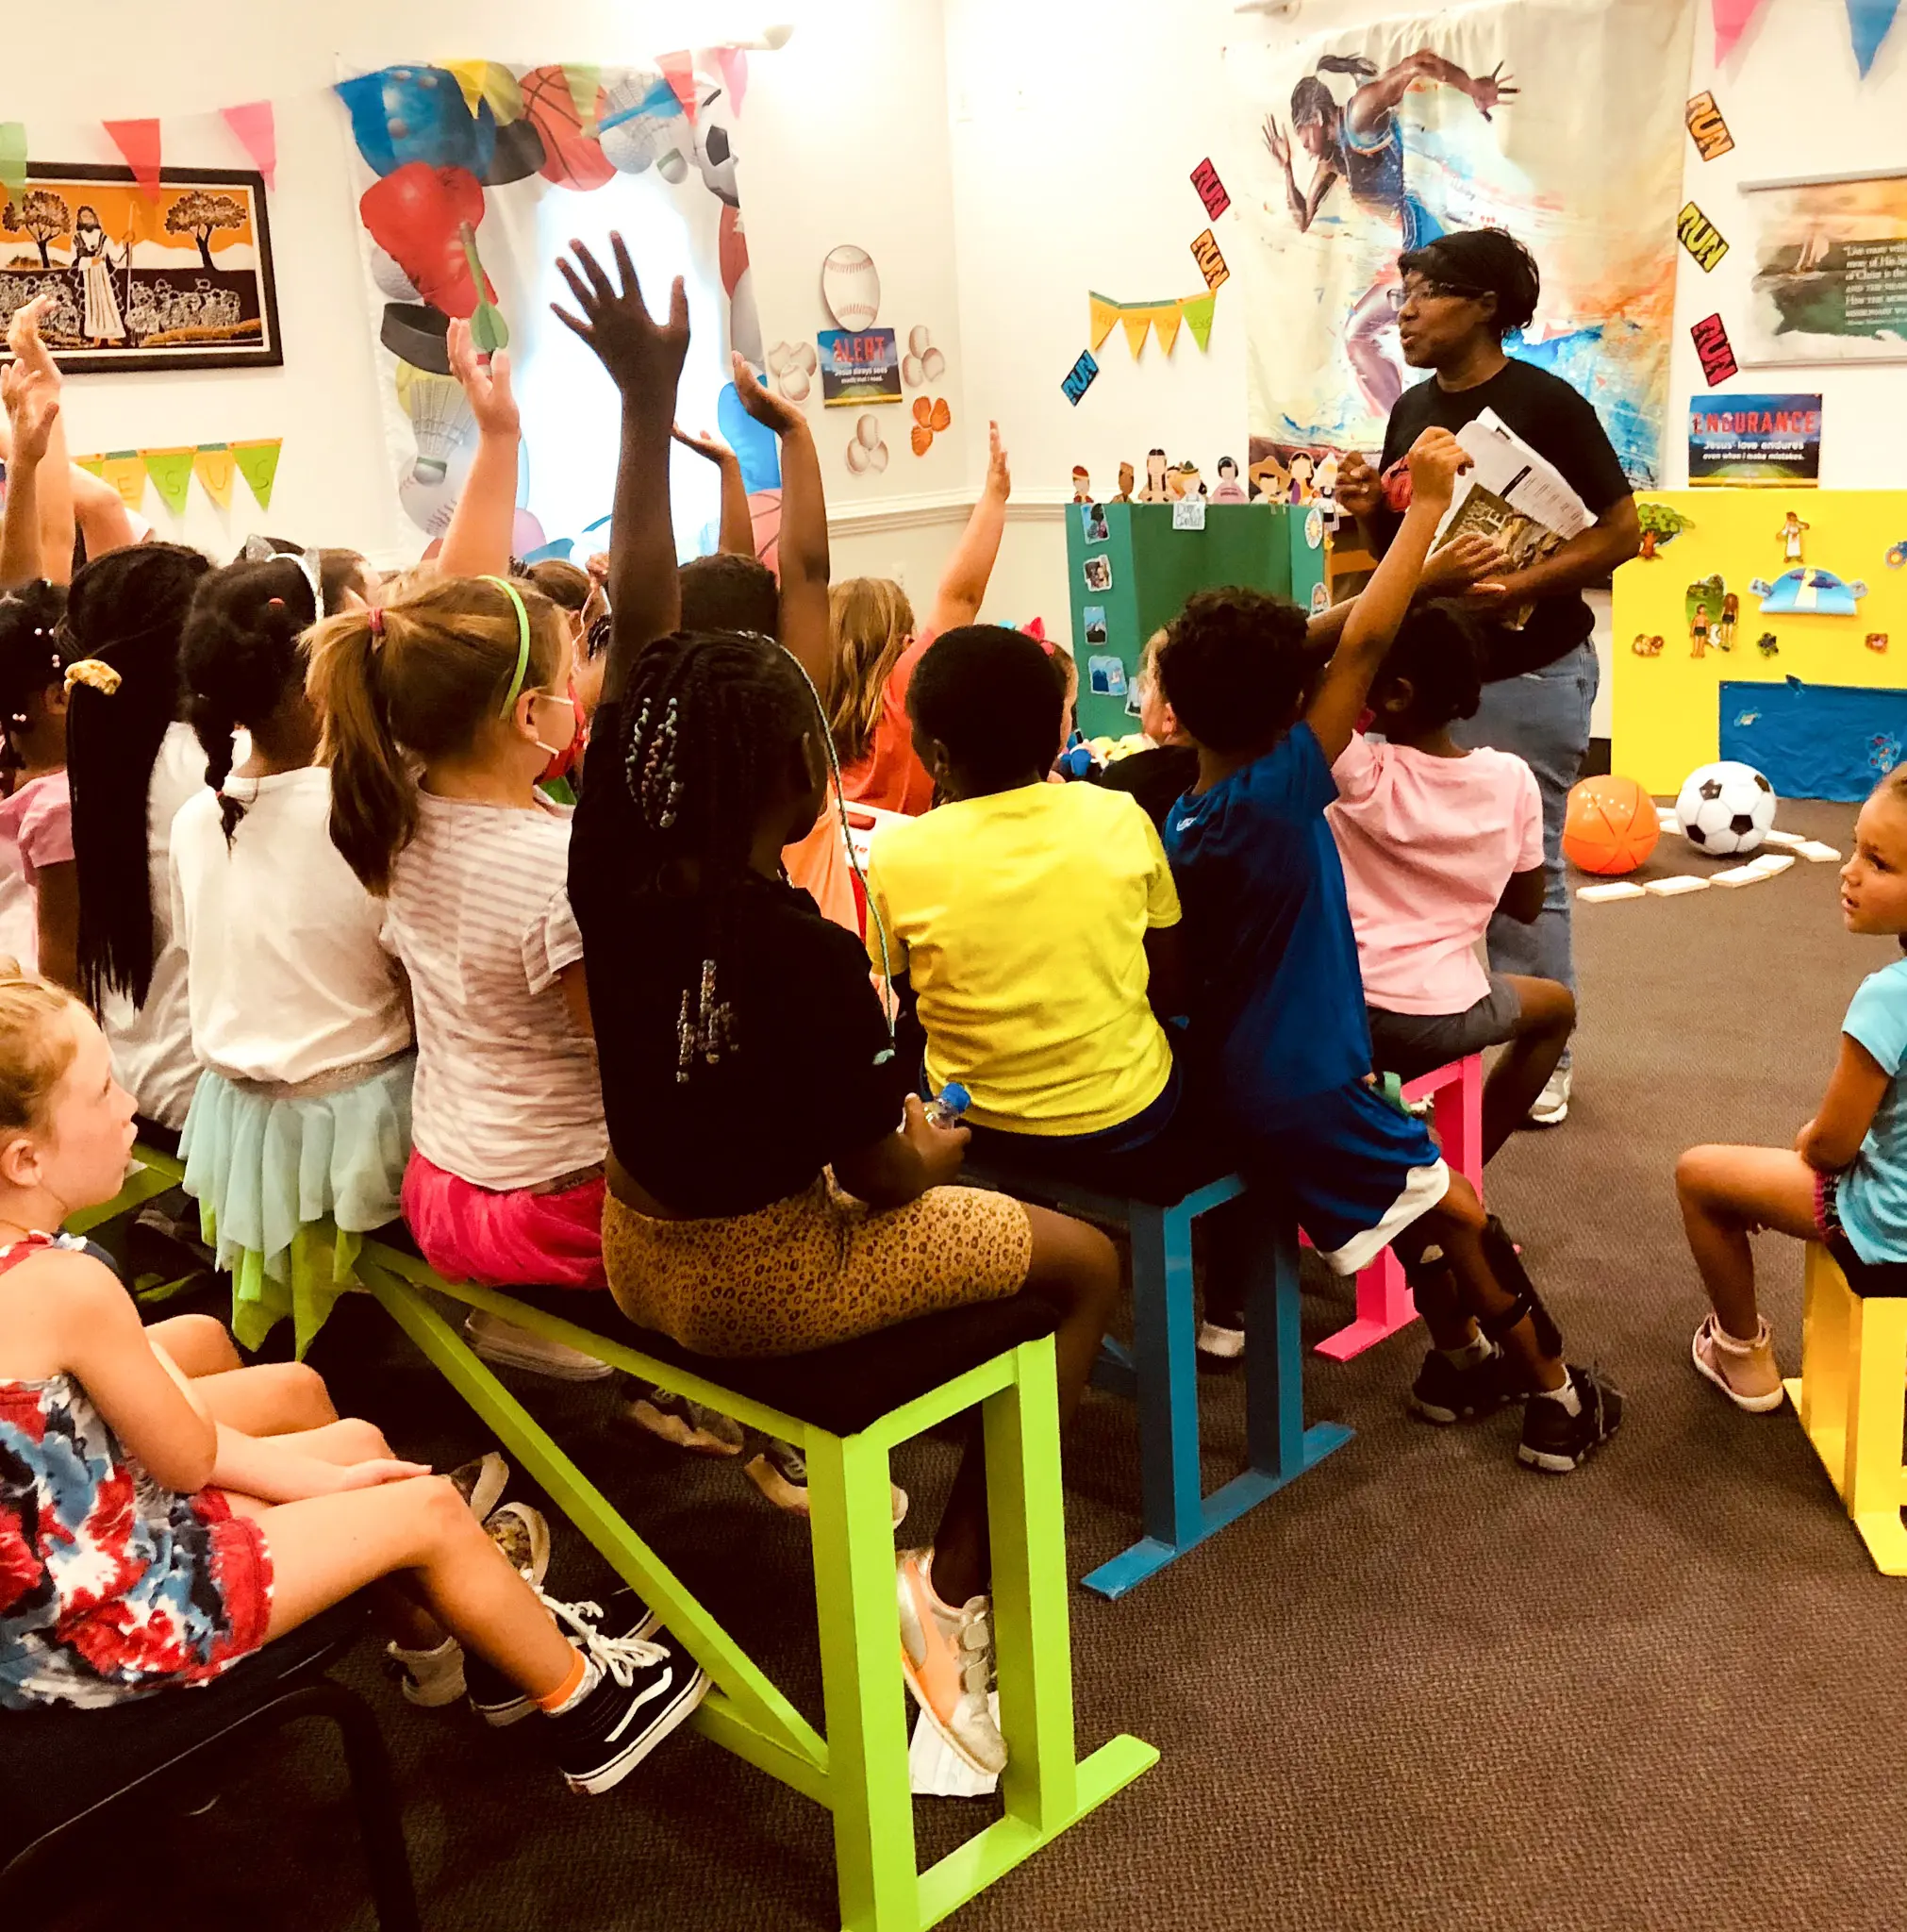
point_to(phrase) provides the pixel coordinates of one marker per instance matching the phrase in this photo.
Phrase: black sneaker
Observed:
(1554, 1440)
(1445, 1393)
(500, 1703)
(646, 1690)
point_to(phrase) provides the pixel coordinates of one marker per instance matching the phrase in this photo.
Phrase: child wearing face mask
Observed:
(440, 712)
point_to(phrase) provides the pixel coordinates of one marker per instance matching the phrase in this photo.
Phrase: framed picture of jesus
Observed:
(178, 276)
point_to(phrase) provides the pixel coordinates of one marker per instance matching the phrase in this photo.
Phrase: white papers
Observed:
(1188, 513)
(1771, 864)
(1817, 854)
(1507, 467)
(1788, 841)
(1616, 888)
(1738, 876)
(1673, 889)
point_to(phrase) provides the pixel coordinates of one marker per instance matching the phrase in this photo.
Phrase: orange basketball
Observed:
(1611, 826)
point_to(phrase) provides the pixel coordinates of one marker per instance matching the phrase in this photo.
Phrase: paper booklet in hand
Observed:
(1514, 497)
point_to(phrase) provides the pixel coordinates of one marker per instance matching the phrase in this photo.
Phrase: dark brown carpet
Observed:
(1422, 1688)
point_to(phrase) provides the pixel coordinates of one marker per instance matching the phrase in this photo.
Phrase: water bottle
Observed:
(947, 1107)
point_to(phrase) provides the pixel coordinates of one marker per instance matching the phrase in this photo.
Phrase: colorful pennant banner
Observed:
(13, 157)
(139, 141)
(172, 470)
(1868, 21)
(258, 130)
(1138, 318)
(1732, 20)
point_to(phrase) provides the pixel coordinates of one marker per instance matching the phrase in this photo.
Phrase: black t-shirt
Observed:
(1158, 777)
(1555, 422)
(811, 1075)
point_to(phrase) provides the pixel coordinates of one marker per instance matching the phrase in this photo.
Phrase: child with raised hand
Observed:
(149, 1542)
(763, 1199)
(877, 646)
(300, 1126)
(440, 712)
(1845, 1180)
(133, 761)
(39, 896)
(1435, 841)
(1278, 1008)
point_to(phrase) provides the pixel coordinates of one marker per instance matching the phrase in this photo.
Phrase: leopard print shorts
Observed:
(817, 1268)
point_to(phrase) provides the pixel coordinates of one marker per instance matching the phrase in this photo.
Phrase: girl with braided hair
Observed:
(440, 711)
(300, 1125)
(767, 1194)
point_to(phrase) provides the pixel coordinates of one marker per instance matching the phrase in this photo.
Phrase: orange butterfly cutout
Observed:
(928, 419)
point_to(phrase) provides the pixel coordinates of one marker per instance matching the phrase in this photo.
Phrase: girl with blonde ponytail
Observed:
(440, 712)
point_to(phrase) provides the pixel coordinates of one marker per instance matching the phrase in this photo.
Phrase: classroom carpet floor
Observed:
(1423, 1688)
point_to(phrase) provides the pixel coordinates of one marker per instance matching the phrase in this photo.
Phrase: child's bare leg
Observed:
(1726, 1192)
(1076, 1269)
(198, 1345)
(274, 1399)
(1523, 1068)
(325, 1549)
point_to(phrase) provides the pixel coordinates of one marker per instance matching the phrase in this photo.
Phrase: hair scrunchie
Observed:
(95, 674)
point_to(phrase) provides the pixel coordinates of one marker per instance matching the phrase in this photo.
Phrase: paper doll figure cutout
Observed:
(1730, 614)
(1269, 479)
(1155, 489)
(1698, 631)
(1304, 469)
(1183, 480)
(1768, 644)
(1228, 489)
(1082, 485)
(1647, 646)
(1877, 640)
(1125, 494)
(1790, 535)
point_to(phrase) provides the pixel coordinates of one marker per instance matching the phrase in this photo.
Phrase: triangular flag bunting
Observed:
(124, 469)
(1197, 310)
(678, 69)
(94, 466)
(1136, 322)
(13, 157)
(470, 76)
(139, 141)
(1166, 320)
(170, 471)
(258, 464)
(213, 465)
(1868, 21)
(1731, 19)
(1104, 314)
(258, 133)
(732, 62)
(586, 83)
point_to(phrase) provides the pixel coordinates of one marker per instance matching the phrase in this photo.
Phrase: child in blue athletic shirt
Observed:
(1278, 1006)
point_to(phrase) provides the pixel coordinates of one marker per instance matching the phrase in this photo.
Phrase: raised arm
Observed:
(32, 409)
(477, 543)
(738, 526)
(1436, 458)
(99, 512)
(805, 564)
(1366, 108)
(962, 583)
(644, 361)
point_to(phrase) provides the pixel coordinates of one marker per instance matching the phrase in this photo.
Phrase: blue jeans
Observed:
(1543, 716)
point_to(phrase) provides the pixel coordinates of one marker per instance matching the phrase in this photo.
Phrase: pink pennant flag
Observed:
(733, 64)
(139, 141)
(258, 133)
(1732, 20)
(678, 69)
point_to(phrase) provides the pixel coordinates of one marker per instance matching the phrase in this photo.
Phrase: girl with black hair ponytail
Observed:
(133, 762)
(38, 898)
(300, 1125)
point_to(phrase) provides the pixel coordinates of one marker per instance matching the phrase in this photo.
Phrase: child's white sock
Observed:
(1567, 1395)
(1479, 1348)
(592, 1676)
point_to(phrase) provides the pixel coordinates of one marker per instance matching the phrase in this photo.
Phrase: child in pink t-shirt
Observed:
(1436, 840)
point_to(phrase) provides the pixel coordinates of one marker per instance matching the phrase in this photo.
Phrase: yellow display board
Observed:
(1667, 708)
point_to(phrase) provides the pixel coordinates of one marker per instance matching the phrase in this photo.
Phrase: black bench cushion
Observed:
(842, 1388)
(57, 1762)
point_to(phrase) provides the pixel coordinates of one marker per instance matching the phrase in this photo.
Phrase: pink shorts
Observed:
(516, 1239)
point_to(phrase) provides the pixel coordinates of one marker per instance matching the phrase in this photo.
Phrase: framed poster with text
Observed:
(1830, 269)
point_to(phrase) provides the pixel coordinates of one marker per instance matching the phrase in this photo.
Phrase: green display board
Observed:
(1149, 569)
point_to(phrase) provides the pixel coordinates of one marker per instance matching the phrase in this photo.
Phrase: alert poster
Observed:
(859, 367)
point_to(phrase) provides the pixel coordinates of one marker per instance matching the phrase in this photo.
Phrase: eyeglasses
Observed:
(1416, 290)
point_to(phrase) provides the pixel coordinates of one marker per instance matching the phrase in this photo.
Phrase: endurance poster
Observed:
(1560, 120)
(1745, 439)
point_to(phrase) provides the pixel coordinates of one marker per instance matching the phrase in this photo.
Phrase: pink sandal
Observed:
(1715, 1352)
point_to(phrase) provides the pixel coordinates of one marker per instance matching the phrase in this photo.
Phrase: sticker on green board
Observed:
(1092, 617)
(1106, 676)
(1320, 599)
(1313, 527)
(1098, 574)
(1092, 520)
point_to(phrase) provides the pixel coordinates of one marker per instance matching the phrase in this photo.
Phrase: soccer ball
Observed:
(1725, 807)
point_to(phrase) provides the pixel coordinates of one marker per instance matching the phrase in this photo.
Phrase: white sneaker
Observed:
(947, 1658)
(1226, 1344)
(510, 1347)
(1552, 1106)
(780, 1472)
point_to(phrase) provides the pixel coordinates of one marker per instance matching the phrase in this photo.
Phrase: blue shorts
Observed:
(1357, 1172)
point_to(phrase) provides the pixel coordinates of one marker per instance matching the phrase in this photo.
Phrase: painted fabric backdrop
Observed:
(1560, 120)
(470, 178)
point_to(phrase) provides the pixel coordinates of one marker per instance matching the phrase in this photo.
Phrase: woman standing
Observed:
(1462, 294)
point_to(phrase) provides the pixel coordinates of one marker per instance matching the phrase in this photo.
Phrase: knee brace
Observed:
(1429, 1270)
(1513, 1279)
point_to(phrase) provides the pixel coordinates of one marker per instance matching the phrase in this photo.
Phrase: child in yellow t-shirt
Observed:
(1034, 925)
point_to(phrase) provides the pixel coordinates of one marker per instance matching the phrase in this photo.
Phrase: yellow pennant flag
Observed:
(124, 469)
(487, 80)
(1136, 322)
(214, 466)
(92, 465)
(586, 81)
(1166, 320)
(1103, 315)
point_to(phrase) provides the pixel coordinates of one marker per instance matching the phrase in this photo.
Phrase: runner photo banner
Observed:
(1560, 120)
